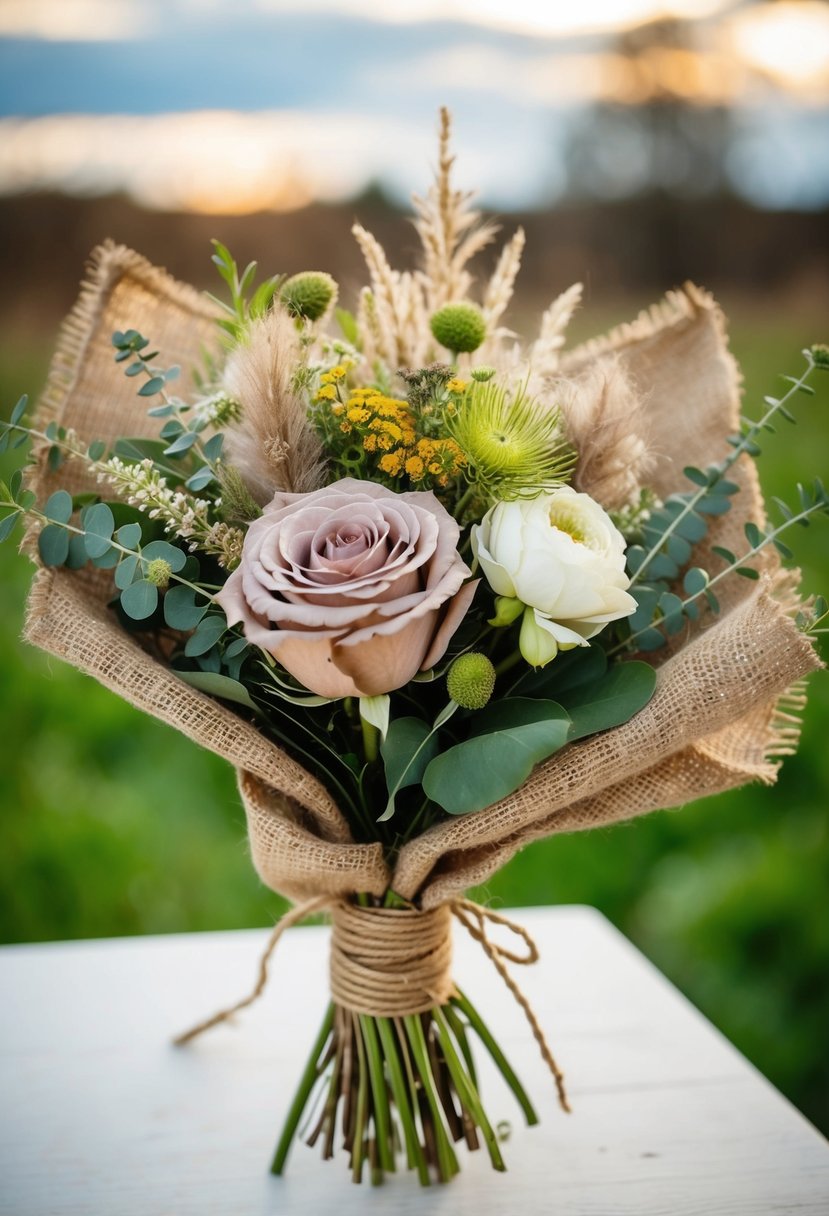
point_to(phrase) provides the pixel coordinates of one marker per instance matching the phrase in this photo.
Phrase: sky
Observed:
(234, 105)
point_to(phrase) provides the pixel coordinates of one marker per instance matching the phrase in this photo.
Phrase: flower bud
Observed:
(820, 355)
(538, 647)
(308, 294)
(471, 680)
(158, 572)
(459, 327)
(482, 373)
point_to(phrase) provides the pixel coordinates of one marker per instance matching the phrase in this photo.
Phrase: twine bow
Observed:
(475, 920)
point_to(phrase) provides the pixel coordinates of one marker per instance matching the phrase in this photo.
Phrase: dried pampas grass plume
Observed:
(273, 444)
(605, 422)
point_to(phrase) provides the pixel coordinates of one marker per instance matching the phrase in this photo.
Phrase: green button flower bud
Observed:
(820, 355)
(471, 680)
(308, 294)
(482, 373)
(459, 327)
(158, 572)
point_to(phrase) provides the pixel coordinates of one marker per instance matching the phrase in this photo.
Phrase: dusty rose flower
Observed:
(353, 588)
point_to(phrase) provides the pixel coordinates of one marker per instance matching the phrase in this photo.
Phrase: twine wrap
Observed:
(390, 962)
(395, 962)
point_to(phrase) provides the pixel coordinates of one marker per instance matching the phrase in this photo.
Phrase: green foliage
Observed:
(515, 735)
(669, 531)
(246, 303)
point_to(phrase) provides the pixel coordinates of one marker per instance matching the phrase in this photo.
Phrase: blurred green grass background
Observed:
(112, 824)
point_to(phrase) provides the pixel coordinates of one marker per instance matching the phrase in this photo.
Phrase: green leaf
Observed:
(129, 535)
(747, 572)
(77, 558)
(348, 325)
(19, 410)
(213, 447)
(96, 449)
(726, 554)
(670, 606)
(7, 525)
(59, 507)
(696, 476)
(570, 668)
(753, 534)
(181, 610)
(183, 443)
(474, 774)
(98, 523)
(207, 634)
(167, 552)
(651, 639)
(54, 458)
(513, 712)
(139, 600)
(407, 749)
(609, 702)
(678, 549)
(126, 572)
(200, 479)
(218, 686)
(695, 581)
(53, 545)
(154, 385)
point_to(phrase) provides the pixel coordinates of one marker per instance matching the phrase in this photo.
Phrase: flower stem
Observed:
(303, 1093)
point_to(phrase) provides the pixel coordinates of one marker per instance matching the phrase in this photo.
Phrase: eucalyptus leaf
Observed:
(409, 745)
(167, 552)
(19, 410)
(207, 634)
(77, 558)
(7, 525)
(154, 385)
(472, 775)
(213, 447)
(129, 535)
(53, 545)
(125, 572)
(181, 610)
(183, 443)
(140, 600)
(218, 686)
(58, 507)
(98, 525)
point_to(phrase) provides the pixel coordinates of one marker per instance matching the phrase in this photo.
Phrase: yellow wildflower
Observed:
(327, 393)
(415, 467)
(456, 385)
(390, 463)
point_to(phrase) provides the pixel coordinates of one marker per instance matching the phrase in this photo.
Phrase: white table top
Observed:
(102, 1116)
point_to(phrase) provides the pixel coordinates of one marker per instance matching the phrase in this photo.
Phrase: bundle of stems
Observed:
(398, 1088)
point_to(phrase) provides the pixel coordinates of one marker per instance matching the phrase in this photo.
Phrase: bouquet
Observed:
(434, 592)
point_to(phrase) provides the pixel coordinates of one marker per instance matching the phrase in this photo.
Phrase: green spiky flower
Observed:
(470, 680)
(158, 572)
(308, 294)
(514, 446)
(459, 327)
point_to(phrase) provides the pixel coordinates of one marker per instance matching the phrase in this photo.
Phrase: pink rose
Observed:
(353, 588)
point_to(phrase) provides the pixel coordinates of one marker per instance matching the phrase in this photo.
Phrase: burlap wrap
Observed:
(722, 713)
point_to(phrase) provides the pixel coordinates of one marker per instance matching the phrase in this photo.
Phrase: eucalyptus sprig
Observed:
(184, 424)
(680, 522)
(669, 611)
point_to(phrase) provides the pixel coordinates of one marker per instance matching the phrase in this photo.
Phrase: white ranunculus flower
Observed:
(561, 556)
